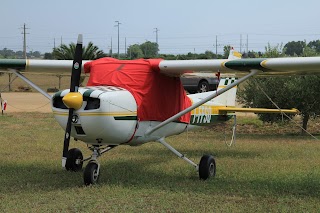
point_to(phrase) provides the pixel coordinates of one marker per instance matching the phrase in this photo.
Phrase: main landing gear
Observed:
(92, 171)
(206, 167)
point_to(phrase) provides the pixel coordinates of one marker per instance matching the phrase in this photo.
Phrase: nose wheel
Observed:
(74, 160)
(91, 173)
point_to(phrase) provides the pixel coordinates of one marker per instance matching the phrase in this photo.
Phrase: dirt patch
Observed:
(26, 102)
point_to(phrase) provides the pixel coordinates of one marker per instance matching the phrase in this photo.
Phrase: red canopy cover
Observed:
(158, 96)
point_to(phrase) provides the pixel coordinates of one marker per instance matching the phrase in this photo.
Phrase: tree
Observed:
(293, 48)
(252, 96)
(308, 51)
(89, 52)
(48, 56)
(302, 93)
(315, 45)
(134, 51)
(273, 51)
(226, 51)
(149, 49)
(253, 54)
(305, 92)
(7, 53)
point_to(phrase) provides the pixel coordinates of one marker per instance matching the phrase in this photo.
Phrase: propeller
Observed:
(73, 100)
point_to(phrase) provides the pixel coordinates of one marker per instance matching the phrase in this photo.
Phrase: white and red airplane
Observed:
(132, 102)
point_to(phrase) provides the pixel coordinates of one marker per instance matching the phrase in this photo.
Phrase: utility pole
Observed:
(111, 48)
(247, 43)
(118, 25)
(156, 31)
(25, 41)
(61, 41)
(125, 46)
(240, 43)
(54, 47)
(216, 46)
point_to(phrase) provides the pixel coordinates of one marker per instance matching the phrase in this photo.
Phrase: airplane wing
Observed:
(224, 110)
(267, 66)
(271, 66)
(38, 66)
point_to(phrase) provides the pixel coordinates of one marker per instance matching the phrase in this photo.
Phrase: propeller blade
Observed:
(74, 85)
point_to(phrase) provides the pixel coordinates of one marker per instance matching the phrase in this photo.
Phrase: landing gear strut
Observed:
(92, 171)
(206, 167)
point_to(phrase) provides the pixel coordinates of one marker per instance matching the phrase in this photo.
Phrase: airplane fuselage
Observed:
(108, 116)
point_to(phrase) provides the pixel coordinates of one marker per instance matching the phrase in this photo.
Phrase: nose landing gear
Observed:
(92, 170)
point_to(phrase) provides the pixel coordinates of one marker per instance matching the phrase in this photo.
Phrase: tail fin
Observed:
(234, 54)
(229, 97)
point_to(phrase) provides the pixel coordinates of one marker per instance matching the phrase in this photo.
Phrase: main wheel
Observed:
(74, 160)
(203, 86)
(207, 167)
(91, 174)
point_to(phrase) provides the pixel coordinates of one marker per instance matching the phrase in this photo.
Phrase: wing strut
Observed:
(189, 109)
(30, 83)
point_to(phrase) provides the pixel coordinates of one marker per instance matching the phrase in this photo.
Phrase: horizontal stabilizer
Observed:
(224, 110)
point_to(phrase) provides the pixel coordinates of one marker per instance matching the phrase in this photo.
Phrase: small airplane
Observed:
(132, 102)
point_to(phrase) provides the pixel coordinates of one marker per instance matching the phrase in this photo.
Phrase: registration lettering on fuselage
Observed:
(202, 114)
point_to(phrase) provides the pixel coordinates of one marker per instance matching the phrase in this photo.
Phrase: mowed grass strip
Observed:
(262, 172)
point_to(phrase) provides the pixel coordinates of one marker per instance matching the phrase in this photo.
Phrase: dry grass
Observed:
(262, 173)
(44, 81)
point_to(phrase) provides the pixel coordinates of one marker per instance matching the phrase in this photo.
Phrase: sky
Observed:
(183, 25)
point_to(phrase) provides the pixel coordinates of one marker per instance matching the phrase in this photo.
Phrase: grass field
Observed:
(268, 170)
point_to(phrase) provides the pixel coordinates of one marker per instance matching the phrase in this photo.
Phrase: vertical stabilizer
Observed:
(228, 98)
(234, 54)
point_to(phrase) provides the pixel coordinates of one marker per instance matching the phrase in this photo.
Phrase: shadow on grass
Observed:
(148, 174)
(186, 180)
(197, 153)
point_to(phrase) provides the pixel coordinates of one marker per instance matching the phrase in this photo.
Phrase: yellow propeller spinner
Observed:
(73, 100)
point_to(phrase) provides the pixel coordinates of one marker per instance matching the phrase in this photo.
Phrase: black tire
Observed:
(203, 86)
(90, 174)
(207, 167)
(74, 160)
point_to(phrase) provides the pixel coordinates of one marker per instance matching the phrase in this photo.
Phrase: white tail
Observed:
(234, 54)
(228, 98)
